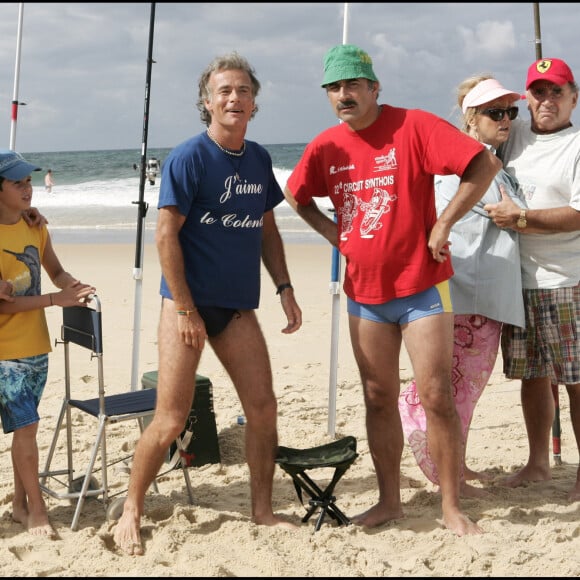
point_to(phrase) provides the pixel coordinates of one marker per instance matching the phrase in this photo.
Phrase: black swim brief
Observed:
(216, 318)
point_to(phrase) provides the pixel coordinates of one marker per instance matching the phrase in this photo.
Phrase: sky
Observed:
(82, 67)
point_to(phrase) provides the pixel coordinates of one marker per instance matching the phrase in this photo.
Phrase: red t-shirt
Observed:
(380, 181)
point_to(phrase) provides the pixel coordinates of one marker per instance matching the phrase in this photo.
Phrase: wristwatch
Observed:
(522, 221)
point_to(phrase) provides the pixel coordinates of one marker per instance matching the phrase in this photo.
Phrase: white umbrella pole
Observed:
(15, 102)
(332, 385)
(335, 291)
(345, 24)
(138, 277)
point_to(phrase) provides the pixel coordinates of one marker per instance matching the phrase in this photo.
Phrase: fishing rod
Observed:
(556, 426)
(537, 30)
(142, 207)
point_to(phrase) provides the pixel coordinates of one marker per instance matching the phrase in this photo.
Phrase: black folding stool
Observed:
(338, 454)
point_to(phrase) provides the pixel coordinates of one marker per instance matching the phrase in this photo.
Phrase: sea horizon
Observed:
(97, 193)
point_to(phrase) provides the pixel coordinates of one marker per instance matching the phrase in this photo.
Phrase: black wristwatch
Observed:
(283, 287)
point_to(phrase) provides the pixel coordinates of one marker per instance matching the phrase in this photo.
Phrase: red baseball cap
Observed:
(549, 69)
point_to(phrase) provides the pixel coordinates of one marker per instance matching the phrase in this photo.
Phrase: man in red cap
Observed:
(544, 156)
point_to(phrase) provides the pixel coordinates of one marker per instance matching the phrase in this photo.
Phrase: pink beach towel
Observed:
(476, 344)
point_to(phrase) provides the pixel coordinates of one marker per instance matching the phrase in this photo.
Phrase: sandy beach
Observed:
(529, 531)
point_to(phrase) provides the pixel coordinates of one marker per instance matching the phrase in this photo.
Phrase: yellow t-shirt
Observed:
(23, 334)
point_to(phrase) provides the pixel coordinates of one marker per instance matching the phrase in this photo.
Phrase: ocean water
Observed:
(96, 194)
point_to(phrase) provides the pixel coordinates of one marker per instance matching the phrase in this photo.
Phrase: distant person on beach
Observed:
(152, 170)
(486, 288)
(216, 207)
(544, 156)
(48, 183)
(24, 337)
(377, 168)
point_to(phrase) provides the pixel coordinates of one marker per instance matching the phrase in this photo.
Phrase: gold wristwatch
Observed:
(522, 221)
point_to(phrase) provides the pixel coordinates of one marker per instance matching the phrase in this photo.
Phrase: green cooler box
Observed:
(204, 446)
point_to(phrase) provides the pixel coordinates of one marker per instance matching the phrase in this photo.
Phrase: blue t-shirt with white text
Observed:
(221, 238)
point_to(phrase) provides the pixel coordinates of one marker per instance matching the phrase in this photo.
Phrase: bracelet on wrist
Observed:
(186, 312)
(283, 287)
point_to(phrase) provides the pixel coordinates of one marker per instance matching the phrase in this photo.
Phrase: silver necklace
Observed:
(224, 150)
(230, 154)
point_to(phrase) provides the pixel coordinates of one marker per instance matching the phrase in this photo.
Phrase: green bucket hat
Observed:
(347, 61)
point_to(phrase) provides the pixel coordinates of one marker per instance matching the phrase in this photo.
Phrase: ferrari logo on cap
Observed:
(544, 66)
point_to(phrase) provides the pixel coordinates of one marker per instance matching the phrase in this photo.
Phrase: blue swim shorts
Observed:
(22, 383)
(434, 300)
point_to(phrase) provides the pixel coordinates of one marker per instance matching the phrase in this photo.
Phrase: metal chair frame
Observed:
(82, 326)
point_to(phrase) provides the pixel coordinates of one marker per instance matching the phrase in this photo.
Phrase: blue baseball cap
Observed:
(14, 167)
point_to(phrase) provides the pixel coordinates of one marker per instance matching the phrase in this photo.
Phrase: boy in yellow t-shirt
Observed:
(24, 337)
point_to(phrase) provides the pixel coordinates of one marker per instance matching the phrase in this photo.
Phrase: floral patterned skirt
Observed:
(476, 344)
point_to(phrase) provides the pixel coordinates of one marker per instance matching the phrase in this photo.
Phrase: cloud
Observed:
(489, 38)
(83, 65)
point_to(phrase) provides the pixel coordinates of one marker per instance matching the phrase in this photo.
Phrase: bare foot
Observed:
(377, 515)
(526, 474)
(36, 524)
(45, 530)
(460, 524)
(274, 520)
(469, 475)
(127, 534)
(470, 491)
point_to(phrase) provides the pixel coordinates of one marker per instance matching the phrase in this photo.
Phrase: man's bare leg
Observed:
(242, 350)
(574, 398)
(538, 408)
(385, 442)
(376, 349)
(148, 458)
(175, 389)
(429, 342)
(444, 440)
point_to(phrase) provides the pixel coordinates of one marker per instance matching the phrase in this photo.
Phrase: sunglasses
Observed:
(541, 93)
(498, 114)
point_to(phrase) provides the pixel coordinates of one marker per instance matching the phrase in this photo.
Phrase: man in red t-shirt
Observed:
(377, 168)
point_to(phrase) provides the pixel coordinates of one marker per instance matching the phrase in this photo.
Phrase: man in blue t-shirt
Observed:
(216, 223)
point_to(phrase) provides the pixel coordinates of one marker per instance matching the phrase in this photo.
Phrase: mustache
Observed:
(345, 104)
